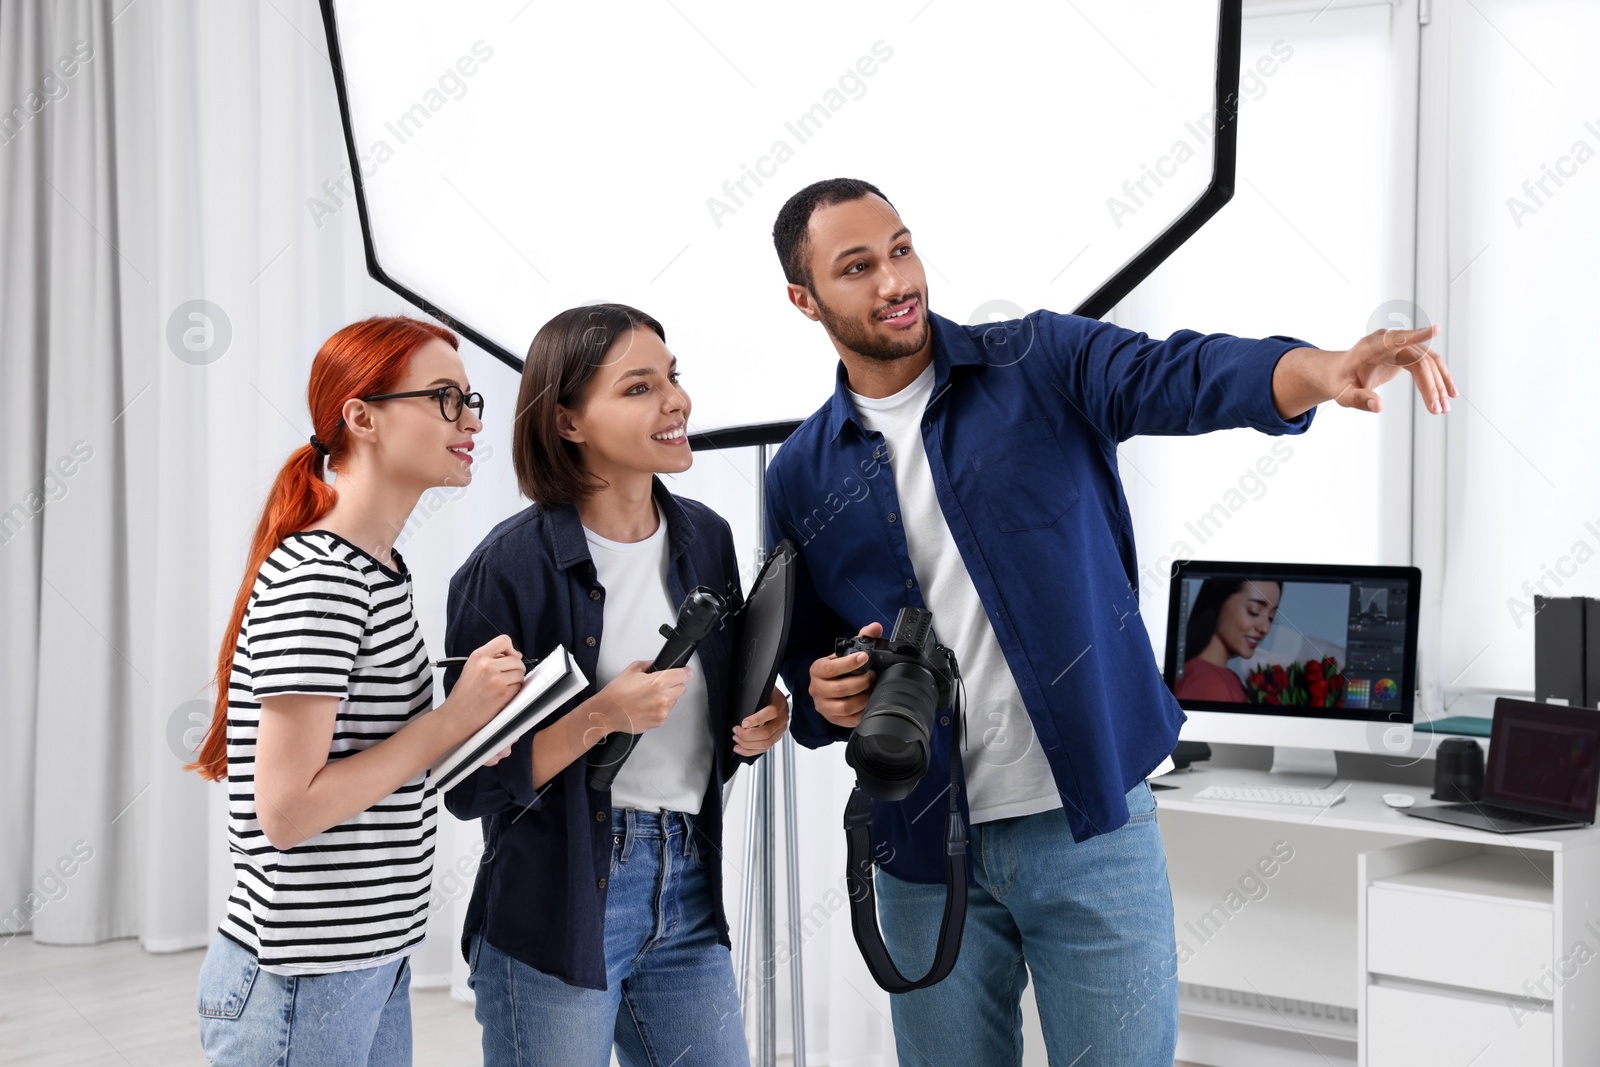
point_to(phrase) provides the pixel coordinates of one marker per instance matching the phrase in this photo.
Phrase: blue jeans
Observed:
(670, 997)
(1092, 922)
(252, 1018)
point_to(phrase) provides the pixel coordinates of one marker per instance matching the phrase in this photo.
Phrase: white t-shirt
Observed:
(1007, 773)
(671, 765)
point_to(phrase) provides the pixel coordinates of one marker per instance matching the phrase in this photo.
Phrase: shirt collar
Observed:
(952, 347)
(572, 548)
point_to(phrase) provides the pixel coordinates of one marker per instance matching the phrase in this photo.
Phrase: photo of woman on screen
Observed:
(1229, 617)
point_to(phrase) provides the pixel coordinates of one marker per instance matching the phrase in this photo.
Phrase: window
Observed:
(1315, 244)
(1522, 508)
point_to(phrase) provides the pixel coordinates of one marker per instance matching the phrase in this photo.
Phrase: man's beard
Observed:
(860, 339)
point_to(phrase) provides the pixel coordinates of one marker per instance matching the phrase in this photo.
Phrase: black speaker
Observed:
(1566, 650)
(1458, 771)
(1188, 752)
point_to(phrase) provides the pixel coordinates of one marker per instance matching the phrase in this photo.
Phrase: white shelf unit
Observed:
(1459, 920)
(1478, 953)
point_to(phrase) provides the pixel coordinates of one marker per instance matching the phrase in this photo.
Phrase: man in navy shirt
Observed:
(972, 471)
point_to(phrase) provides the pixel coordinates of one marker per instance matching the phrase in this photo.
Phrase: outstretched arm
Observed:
(1305, 377)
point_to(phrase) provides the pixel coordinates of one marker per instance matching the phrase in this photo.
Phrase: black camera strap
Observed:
(864, 902)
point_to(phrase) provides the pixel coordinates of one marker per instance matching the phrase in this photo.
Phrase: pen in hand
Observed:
(461, 661)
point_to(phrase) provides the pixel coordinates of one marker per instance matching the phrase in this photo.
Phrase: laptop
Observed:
(1542, 771)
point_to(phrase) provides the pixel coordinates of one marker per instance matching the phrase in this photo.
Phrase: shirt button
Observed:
(589, 641)
(910, 583)
(892, 516)
(594, 594)
(944, 720)
(599, 816)
(601, 884)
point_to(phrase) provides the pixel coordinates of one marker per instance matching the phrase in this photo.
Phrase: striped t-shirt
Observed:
(326, 618)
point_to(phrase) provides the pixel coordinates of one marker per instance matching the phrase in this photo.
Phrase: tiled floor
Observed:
(119, 1006)
(116, 1005)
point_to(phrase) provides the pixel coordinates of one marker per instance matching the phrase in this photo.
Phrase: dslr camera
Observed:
(916, 679)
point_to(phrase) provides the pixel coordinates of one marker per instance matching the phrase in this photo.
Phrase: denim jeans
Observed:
(1091, 921)
(670, 998)
(252, 1018)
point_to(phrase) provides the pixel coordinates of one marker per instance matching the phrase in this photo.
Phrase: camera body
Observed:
(916, 679)
(911, 642)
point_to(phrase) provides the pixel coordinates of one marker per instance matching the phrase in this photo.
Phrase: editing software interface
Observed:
(1311, 640)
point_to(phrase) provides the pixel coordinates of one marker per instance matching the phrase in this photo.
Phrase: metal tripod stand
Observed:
(760, 879)
(759, 883)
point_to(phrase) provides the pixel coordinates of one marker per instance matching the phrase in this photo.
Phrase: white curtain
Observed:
(176, 245)
(71, 677)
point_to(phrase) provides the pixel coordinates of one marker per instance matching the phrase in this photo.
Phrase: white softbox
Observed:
(514, 159)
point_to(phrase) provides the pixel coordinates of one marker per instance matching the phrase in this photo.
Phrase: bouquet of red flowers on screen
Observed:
(1314, 683)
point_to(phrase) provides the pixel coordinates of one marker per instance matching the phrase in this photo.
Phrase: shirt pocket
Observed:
(1022, 478)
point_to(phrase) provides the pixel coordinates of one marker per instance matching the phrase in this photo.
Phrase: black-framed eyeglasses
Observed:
(452, 400)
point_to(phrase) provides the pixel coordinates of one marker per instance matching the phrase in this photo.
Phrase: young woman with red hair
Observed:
(319, 728)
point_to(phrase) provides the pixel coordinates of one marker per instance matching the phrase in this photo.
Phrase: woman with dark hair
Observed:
(597, 918)
(320, 728)
(1229, 618)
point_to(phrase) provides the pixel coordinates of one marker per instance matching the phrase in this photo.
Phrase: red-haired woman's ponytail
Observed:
(362, 359)
(298, 498)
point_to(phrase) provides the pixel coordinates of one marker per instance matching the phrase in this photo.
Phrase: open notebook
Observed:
(548, 686)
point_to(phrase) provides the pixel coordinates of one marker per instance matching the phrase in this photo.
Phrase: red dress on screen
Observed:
(1203, 680)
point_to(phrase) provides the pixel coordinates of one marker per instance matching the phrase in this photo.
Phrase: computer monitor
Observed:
(1308, 658)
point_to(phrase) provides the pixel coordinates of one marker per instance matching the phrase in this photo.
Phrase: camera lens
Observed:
(889, 749)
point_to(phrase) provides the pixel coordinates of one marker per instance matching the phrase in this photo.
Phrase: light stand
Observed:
(759, 882)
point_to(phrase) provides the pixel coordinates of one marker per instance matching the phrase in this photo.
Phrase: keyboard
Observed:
(1275, 795)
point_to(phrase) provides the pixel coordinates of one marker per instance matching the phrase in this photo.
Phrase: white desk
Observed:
(1377, 938)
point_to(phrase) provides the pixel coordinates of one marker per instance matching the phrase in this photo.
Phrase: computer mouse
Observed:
(1399, 800)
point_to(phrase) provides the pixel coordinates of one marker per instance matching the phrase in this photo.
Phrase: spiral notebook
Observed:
(546, 688)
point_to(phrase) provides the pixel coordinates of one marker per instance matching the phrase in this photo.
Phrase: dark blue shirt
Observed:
(540, 893)
(1021, 434)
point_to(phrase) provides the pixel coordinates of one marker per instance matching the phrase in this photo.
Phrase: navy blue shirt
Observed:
(540, 894)
(1021, 434)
